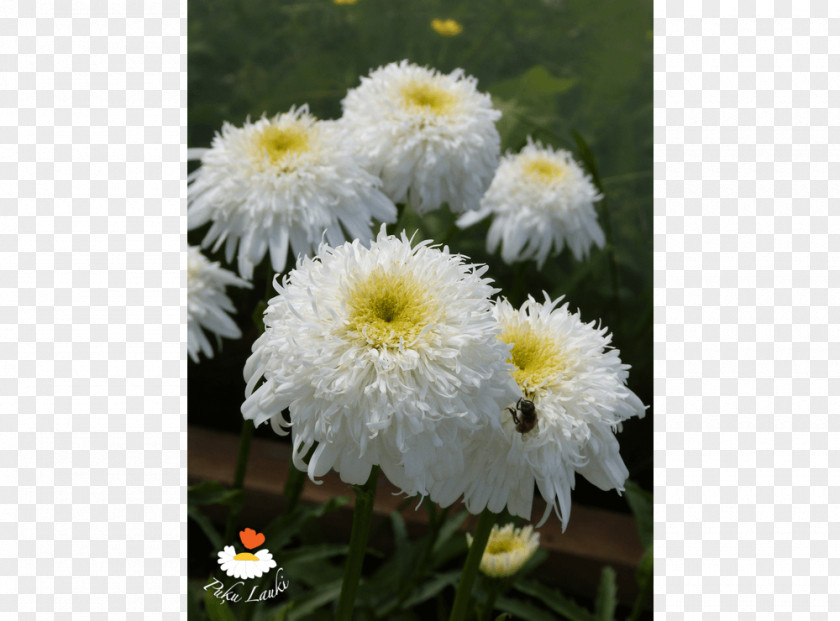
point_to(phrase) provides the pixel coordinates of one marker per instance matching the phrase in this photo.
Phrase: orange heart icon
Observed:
(251, 539)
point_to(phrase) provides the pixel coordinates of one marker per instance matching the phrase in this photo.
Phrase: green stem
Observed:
(464, 591)
(239, 474)
(612, 263)
(365, 495)
(641, 598)
(400, 211)
(295, 481)
(487, 611)
(453, 229)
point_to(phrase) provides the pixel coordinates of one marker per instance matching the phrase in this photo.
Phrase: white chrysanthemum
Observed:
(384, 356)
(508, 549)
(207, 303)
(577, 384)
(540, 200)
(245, 564)
(279, 182)
(430, 136)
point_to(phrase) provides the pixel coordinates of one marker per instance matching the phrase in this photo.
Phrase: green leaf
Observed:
(644, 572)
(644, 578)
(402, 545)
(206, 526)
(502, 617)
(257, 315)
(195, 595)
(282, 529)
(534, 82)
(212, 493)
(217, 609)
(312, 553)
(605, 601)
(523, 610)
(641, 504)
(444, 548)
(532, 563)
(308, 603)
(588, 159)
(551, 598)
(431, 588)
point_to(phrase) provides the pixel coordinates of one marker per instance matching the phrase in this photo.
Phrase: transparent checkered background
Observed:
(747, 273)
(92, 309)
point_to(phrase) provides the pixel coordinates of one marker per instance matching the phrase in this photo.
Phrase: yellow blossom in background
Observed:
(508, 549)
(444, 27)
(345, 1)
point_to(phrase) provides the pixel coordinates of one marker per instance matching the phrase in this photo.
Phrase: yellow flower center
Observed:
(245, 556)
(278, 143)
(544, 169)
(424, 96)
(538, 358)
(386, 307)
(501, 544)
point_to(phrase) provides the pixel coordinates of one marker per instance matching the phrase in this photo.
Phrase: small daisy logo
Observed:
(247, 564)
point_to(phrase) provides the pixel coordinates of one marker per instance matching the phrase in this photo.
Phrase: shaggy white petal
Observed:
(207, 303)
(540, 200)
(282, 183)
(431, 137)
(577, 384)
(384, 356)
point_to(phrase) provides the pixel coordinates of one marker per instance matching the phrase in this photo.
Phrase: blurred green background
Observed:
(552, 68)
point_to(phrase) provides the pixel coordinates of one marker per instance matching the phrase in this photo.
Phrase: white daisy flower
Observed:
(577, 386)
(207, 303)
(431, 137)
(540, 200)
(384, 356)
(279, 182)
(508, 549)
(245, 564)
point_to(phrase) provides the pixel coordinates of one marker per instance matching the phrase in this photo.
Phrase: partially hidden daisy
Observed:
(383, 356)
(281, 182)
(507, 550)
(576, 383)
(446, 27)
(540, 200)
(207, 303)
(245, 564)
(430, 136)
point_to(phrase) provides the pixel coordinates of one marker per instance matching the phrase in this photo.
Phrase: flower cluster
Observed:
(385, 352)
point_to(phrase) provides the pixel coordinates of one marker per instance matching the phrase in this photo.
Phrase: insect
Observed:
(527, 415)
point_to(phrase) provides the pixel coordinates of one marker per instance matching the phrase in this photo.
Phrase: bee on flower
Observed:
(576, 385)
